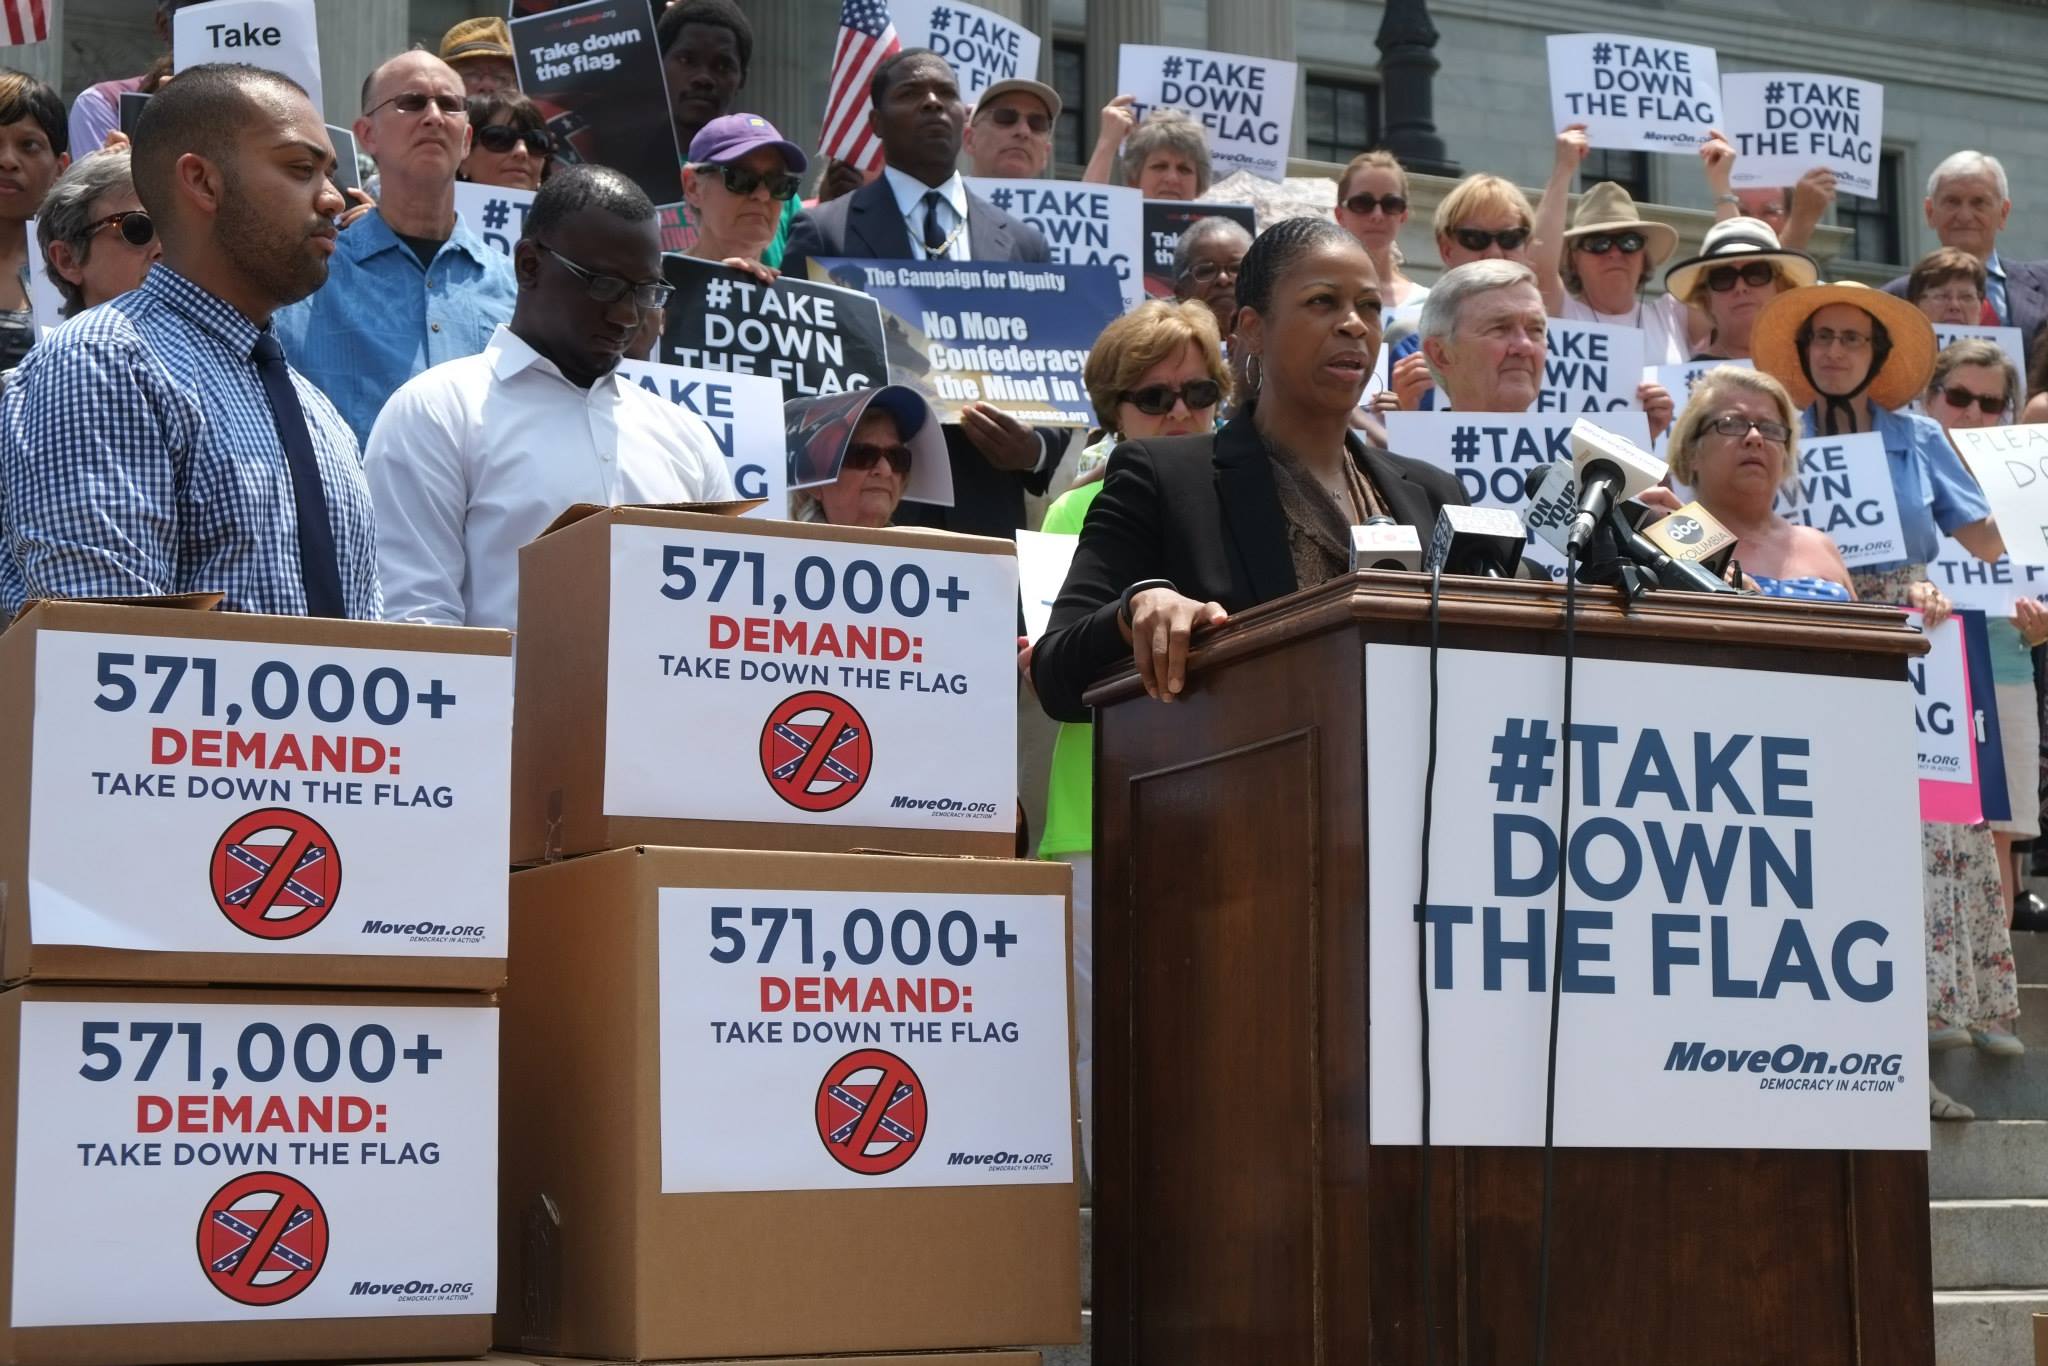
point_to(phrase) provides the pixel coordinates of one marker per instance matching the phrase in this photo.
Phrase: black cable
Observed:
(1564, 813)
(1423, 1219)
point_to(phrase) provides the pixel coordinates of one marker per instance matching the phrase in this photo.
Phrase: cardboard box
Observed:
(160, 767)
(683, 1181)
(911, 1359)
(133, 1197)
(687, 678)
(2041, 1340)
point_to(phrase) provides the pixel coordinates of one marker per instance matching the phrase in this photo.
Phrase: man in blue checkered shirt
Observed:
(160, 443)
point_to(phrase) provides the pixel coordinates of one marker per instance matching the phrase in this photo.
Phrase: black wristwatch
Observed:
(1123, 606)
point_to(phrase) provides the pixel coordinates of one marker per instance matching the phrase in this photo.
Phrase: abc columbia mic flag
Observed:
(867, 38)
(26, 21)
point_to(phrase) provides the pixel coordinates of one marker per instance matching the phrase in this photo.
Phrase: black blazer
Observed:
(865, 224)
(1204, 512)
(2026, 298)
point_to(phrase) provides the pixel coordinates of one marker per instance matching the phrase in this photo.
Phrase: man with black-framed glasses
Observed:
(411, 286)
(1009, 134)
(475, 458)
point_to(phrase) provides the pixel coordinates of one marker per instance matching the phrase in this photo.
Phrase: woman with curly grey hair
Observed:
(1165, 157)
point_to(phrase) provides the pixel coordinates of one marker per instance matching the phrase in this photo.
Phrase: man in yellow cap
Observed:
(480, 50)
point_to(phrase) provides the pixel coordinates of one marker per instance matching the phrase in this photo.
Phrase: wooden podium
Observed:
(1242, 1218)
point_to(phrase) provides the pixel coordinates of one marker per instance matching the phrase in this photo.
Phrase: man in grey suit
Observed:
(1968, 201)
(920, 209)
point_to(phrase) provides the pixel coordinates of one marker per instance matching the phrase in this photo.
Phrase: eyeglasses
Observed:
(136, 228)
(1756, 275)
(413, 101)
(1007, 116)
(741, 180)
(1156, 400)
(1959, 397)
(1388, 204)
(500, 138)
(865, 457)
(1203, 272)
(1848, 341)
(1736, 425)
(1478, 239)
(1960, 298)
(1602, 243)
(607, 289)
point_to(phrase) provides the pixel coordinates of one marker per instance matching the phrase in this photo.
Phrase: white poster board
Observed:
(1844, 487)
(277, 35)
(1990, 588)
(1743, 938)
(495, 213)
(1590, 367)
(744, 413)
(2011, 466)
(1043, 560)
(1634, 94)
(1246, 103)
(1785, 123)
(1084, 225)
(983, 47)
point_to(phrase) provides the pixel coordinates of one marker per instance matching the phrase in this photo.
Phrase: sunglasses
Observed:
(740, 180)
(1599, 245)
(501, 138)
(1007, 116)
(1156, 400)
(1756, 274)
(1959, 397)
(136, 228)
(1388, 204)
(413, 101)
(606, 289)
(866, 456)
(1478, 239)
(1736, 425)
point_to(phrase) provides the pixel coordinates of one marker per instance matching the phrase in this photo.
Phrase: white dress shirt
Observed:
(910, 193)
(473, 458)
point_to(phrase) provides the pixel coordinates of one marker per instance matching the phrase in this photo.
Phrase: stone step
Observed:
(1989, 1160)
(1072, 1354)
(2003, 1088)
(2030, 952)
(1986, 1327)
(1987, 1244)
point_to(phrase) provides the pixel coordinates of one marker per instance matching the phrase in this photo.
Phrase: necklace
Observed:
(940, 253)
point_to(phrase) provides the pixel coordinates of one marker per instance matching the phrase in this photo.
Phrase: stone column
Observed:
(355, 36)
(1261, 28)
(1036, 15)
(786, 83)
(1112, 23)
(1408, 65)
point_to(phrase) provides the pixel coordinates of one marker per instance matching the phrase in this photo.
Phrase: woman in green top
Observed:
(1156, 371)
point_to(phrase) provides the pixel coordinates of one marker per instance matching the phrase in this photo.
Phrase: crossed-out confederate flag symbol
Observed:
(262, 1238)
(816, 751)
(275, 873)
(871, 1112)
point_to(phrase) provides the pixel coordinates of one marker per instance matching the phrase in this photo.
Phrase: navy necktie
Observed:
(319, 569)
(934, 236)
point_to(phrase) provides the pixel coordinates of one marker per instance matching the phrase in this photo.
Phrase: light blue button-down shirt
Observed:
(1933, 486)
(382, 318)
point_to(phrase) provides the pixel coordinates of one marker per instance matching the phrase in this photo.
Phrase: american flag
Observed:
(867, 38)
(25, 21)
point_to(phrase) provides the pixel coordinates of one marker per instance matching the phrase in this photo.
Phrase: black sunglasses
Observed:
(136, 228)
(1007, 116)
(413, 101)
(1629, 242)
(865, 456)
(1156, 400)
(501, 138)
(607, 289)
(1756, 274)
(1388, 204)
(1478, 239)
(1959, 397)
(742, 180)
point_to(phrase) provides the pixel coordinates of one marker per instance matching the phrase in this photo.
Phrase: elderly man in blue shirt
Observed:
(412, 285)
(161, 443)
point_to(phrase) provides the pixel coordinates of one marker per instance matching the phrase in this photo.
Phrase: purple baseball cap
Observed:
(731, 136)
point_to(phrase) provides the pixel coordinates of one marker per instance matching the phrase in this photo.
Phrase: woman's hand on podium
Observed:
(1161, 622)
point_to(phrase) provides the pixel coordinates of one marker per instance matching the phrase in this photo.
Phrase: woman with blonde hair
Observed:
(1372, 205)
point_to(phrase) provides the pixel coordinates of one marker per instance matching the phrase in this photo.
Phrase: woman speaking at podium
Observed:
(1189, 529)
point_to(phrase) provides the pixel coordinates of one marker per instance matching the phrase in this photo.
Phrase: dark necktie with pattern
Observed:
(935, 240)
(319, 568)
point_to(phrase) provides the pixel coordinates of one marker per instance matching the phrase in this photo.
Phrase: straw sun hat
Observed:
(1904, 371)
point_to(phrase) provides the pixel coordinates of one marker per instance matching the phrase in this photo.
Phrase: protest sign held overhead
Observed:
(1942, 726)
(2007, 339)
(1634, 94)
(1492, 455)
(1844, 487)
(277, 35)
(814, 338)
(744, 415)
(1013, 335)
(1785, 123)
(493, 212)
(1590, 367)
(1246, 103)
(594, 72)
(982, 47)
(1165, 220)
(816, 433)
(1084, 225)
(2011, 465)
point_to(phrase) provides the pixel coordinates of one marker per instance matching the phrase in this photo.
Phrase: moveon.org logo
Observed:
(948, 805)
(425, 929)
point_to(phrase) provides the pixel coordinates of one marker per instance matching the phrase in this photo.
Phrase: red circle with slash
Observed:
(871, 1112)
(262, 1238)
(275, 873)
(816, 751)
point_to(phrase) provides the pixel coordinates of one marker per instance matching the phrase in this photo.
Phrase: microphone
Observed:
(1691, 534)
(1553, 502)
(1671, 573)
(1383, 543)
(1490, 538)
(1607, 469)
